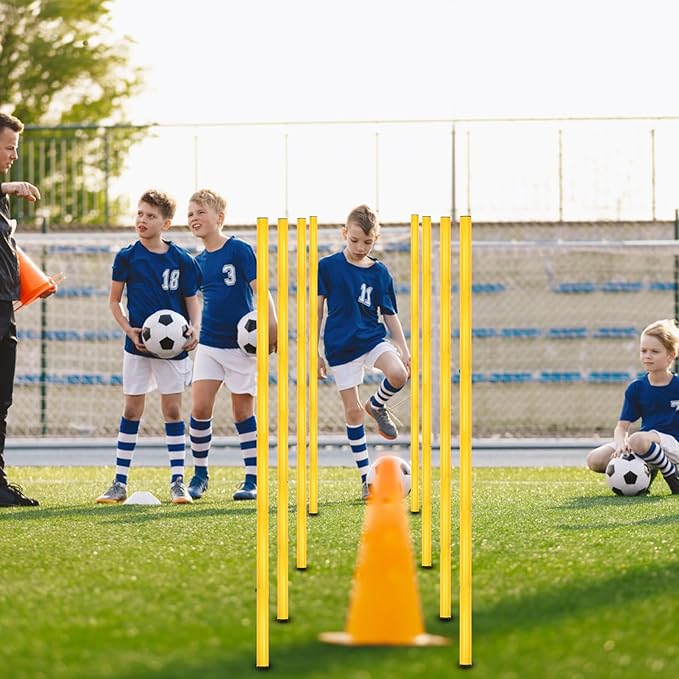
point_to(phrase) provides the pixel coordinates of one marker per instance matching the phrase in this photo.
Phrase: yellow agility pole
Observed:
(465, 442)
(262, 442)
(444, 420)
(313, 365)
(415, 363)
(426, 392)
(282, 413)
(301, 395)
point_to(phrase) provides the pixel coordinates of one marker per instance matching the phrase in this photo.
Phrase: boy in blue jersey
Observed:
(229, 286)
(358, 289)
(655, 399)
(158, 275)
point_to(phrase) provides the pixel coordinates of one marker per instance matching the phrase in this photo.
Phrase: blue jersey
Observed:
(155, 281)
(227, 295)
(658, 407)
(354, 296)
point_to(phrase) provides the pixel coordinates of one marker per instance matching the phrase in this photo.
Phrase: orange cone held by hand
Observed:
(384, 609)
(33, 281)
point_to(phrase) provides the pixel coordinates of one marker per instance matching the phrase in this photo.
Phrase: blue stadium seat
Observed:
(567, 333)
(575, 287)
(560, 377)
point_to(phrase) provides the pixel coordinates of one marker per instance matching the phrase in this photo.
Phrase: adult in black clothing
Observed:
(10, 129)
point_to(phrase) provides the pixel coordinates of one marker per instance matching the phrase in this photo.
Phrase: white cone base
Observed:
(142, 497)
(344, 639)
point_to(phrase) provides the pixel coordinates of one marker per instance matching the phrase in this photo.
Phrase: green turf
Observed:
(569, 581)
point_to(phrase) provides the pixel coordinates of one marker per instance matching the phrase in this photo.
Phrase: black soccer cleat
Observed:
(12, 495)
(673, 482)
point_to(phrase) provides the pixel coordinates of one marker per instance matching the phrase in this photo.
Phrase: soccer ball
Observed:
(374, 470)
(628, 475)
(164, 333)
(247, 333)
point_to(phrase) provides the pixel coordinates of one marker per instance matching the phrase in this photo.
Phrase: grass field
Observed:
(569, 581)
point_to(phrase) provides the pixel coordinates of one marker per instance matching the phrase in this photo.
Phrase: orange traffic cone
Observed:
(384, 609)
(34, 282)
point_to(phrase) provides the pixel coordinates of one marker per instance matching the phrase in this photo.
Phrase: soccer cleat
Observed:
(382, 416)
(178, 493)
(246, 491)
(12, 495)
(197, 486)
(673, 483)
(365, 491)
(116, 493)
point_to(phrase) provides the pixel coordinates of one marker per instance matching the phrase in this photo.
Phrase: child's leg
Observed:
(395, 376)
(243, 409)
(128, 434)
(598, 459)
(204, 393)
(175, 433)
(353, 415)
(646, 444)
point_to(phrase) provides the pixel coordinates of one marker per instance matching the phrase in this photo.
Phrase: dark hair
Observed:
(162, 201)
(12, 122)
(365, 217)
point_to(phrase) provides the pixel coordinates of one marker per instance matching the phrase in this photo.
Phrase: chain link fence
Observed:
(557, 310)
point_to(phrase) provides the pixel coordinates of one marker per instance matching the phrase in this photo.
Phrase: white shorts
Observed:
(142, 374)
(669, 445)
(231, 366)
(351, 374)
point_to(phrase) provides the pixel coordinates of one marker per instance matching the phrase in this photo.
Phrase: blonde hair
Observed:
(667, 332)
(209, 198)
(365, 217)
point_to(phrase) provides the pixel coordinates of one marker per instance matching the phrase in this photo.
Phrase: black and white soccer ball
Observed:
(247, 333)
(164, 333)
(628, 475)
(403, 466)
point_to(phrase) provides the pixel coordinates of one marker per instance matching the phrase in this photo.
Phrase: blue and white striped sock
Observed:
(655, 457)
(200, 433)
(128, 434)
(383, 394)
(247, 436)
(175, 435)
(359, 448)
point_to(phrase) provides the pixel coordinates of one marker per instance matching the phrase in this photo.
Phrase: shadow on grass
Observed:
(616, 501)
(573, 599)
(311, 658)
(126, 513)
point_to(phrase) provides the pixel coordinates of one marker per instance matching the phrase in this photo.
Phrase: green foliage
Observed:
(66, 75)
(569, 581)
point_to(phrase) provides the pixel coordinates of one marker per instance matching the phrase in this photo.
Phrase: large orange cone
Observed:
(384, 609)
(34, 282)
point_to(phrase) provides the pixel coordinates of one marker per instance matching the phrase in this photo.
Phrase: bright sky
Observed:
(215, 61)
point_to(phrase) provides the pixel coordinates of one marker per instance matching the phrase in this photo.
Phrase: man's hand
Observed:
(21, 190)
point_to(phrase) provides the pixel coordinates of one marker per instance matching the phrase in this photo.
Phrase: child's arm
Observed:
(620, 434)
(394, 324)
(273, 320)
(322, 369)
(115, 305)
(193, 308)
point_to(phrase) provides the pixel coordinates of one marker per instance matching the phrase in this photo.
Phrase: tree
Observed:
(67, 76)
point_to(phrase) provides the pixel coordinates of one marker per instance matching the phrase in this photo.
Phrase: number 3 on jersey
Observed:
(229, 271)
(170, 279)
(364, 297)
